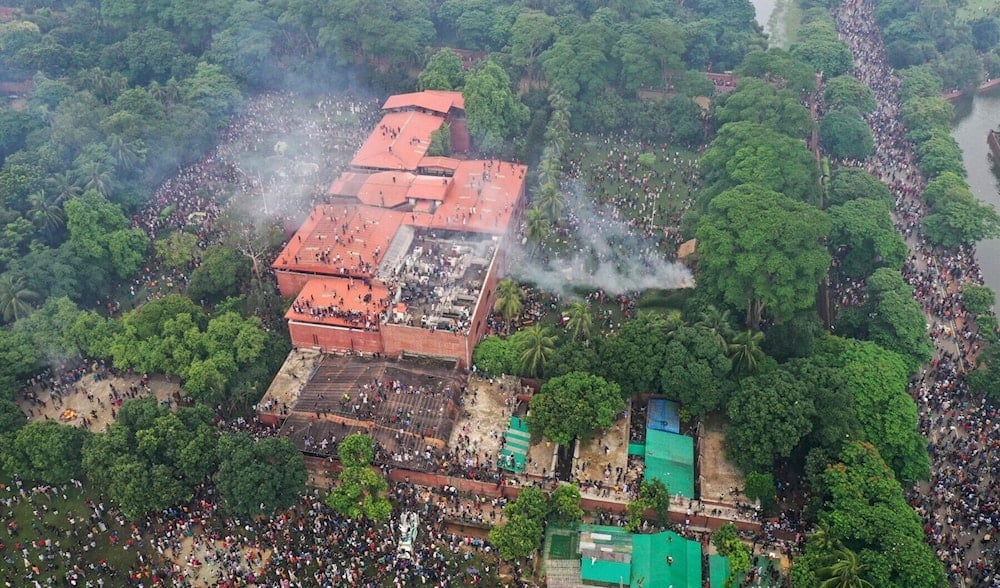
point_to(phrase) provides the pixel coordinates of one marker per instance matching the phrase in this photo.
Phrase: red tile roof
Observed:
(344, 302)
(399, 142)
(342, 240)
(434, 100)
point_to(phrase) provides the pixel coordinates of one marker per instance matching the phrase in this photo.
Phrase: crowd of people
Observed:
(959, 505)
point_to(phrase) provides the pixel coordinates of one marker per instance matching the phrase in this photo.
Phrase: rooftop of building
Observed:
(339, 301)
(406, 407)
(441, 101)
(346, 239)
(399, 141)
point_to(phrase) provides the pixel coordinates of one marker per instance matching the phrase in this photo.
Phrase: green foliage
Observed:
(219, 274)
(892, 318)
(11, 419)
(360, 492)
(356, 450)
(920, 81)
(177, 249)
(848, 184)
(957, 216)
(922, 115)
(564, 504)
(492, 110)
(442, 72)
(99, 234)
(867, 511)
(696, 370)
(845, 134)
(574, 406)
(535, 346)
(440, 142)
(728, 543)
(977, 298)
(44, 451)
(257, 476)
(865, 238)
(940, 153)
(759, 102)
(843, 91)
(517, 538)
(829, 56)
(793, 337)
(634, 356)
(759, 249)
(760, 486)
(985, 379)
(751, 153)
(768, 416)
(152, 458)
(777, 64)
(495, 356)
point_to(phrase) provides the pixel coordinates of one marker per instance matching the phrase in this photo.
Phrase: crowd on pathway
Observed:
(959, 505)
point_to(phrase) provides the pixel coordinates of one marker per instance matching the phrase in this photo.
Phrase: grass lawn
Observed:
(974, 9)
(63, 518)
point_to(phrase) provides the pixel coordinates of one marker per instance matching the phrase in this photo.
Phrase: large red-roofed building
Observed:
(405, 256)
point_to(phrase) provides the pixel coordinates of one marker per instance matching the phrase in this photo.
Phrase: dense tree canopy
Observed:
(760, 250)
(574, 406)
(258, 476)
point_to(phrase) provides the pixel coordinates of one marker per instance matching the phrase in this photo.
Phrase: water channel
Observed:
(974, 117)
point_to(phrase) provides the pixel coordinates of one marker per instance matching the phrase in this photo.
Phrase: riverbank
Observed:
(987, 85)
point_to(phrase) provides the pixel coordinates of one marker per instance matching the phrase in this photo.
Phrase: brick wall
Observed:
(401, 338)
(291, 283)
(327, 338)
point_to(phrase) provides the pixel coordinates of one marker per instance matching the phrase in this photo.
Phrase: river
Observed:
(974, 117)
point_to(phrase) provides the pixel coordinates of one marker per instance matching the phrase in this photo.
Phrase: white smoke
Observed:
(611, 256)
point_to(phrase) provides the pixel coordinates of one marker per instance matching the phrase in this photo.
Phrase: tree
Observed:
(15, 298)
(508, 300)
(99, 233)
(517, 538)
(848, 184)
(579, 321)
(759, 249)
(492, 111)
(537, 226)
(151, 457)
(360, 491)
(769, 415)
(653, 495)
(531, 33)
(564, 504)
(892, 318)
(11, 419)
(745, 352)
(551, 201)
(757, 101)
(920, 81)
(257, 476)
(176, 250)
(696, 370)
(843, 569)
(922, 115)
(634, 356)
(574, 406)
(44, 451)
(864, 237)
(777, 65)
(442, 72)
(751, 153)
(847, 90)
(727, 542)
(845, 134)
(831, 57)
(494, 356)
(866, 509)
(960, 221)
(888, 415)
(760, 487)
(219, 274)
(536, 345)
(940, 153)
(977, 298)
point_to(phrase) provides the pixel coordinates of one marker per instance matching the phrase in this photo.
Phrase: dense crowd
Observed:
(959, 505)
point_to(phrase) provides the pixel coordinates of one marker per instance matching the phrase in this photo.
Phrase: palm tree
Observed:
(843, 570)
(95, 176)
(508, 302)
(537, 344)
(745, 352)
(48, 216)
(551, 201)
(127, 154)
(62, 186)
(15, 298)
(579, 321)
(716, 321)
(536, 227)
(548, 169)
